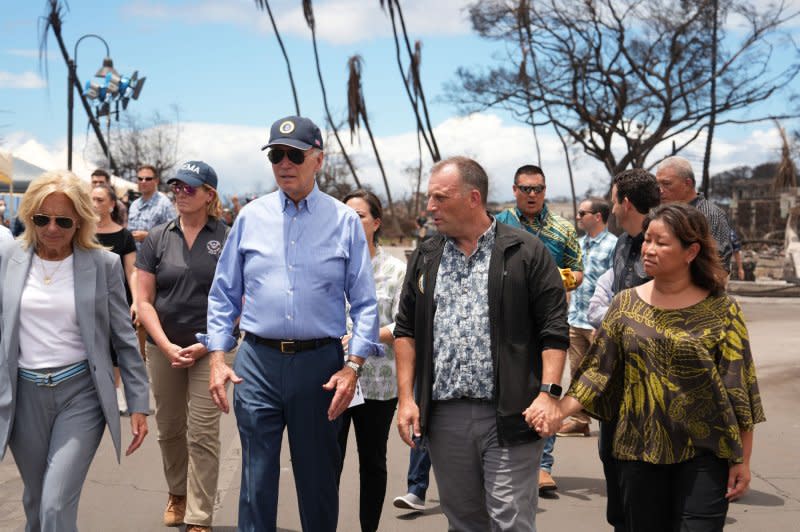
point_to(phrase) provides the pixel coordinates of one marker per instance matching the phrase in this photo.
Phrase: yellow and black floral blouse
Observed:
(679, 381)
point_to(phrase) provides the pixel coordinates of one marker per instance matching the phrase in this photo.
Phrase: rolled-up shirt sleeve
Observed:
(225, 297)
(360, 292)
(598, 304)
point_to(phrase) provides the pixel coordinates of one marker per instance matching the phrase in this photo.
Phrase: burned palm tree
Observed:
(357, 113)
(411, 81)
(308, 12)
(786, 173)
(264, 5)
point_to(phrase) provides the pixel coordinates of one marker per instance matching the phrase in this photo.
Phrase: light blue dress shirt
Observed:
(295, 265)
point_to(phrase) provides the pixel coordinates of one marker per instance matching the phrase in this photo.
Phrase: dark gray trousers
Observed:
(55, 435)
(482, 486)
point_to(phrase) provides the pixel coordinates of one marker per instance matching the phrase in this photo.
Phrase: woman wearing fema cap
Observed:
(62, 306)
(176, 266)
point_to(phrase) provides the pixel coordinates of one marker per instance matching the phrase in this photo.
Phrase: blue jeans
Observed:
(285, 391)
(547, 455)
(419, 469)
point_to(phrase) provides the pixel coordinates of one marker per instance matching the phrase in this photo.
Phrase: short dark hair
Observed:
(375, 207)
(101, 172)
(690, 226)
(528, 169)
(640, 187)
(151, 168)
(600, 205)
(472, 174)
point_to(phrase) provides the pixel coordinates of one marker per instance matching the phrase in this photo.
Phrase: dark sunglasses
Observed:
(42, 220)
(296, 156)
(184, 188)
(527, 189)
(145, 178)
(581, 214)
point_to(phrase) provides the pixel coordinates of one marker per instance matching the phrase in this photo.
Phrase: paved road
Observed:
(131, 496)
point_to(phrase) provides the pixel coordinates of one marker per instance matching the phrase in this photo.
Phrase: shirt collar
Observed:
(539, 218)
(600, 236)
(485, 241)
(309, 201)
(211, 224)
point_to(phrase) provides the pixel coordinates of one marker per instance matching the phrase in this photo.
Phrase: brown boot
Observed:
(546, 482)
(176, 509)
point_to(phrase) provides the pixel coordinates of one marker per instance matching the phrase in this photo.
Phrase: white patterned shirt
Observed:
(379, 377)
(462, 354)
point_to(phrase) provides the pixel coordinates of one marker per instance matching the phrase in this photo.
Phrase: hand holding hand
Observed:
(194, 351)
(544, 415)
(177, 359)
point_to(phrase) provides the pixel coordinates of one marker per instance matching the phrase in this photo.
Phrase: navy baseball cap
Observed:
(195, 174)
(294, 131)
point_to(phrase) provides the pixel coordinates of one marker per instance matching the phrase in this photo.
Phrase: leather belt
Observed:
(51, 379)
(291, 346)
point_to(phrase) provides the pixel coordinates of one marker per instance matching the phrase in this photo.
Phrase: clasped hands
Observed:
(544, 415)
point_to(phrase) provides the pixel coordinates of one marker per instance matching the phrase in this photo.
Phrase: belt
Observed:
(51, 379)
(291, 346)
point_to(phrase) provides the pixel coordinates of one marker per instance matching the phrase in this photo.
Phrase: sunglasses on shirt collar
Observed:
(42, 220)
(296, 156)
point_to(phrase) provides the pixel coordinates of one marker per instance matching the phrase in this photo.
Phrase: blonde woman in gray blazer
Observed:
(62, 305)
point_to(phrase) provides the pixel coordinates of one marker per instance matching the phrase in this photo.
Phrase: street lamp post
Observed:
(75, 84)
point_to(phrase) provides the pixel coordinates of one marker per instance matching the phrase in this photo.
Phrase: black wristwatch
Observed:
(553, 389)
(355, 366)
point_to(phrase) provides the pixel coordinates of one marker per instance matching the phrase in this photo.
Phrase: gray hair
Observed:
(682, 167)
(472, 174)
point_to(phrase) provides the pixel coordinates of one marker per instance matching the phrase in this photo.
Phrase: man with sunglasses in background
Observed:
(561, 240)
(292, 259)
(597, 253)
(151, 209)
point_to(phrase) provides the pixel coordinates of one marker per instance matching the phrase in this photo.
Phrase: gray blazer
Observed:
(103, 318)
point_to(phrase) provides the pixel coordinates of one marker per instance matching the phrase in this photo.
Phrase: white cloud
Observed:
(337, 21)
(234, 151)
(30, 53)
(25, 80)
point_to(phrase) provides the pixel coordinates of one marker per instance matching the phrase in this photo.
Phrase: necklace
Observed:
(48, 278)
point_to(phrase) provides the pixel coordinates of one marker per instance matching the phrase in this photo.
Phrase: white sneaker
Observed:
(409, 501)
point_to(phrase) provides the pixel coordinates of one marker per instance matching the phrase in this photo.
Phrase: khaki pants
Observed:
(579, 342)
(188, 431)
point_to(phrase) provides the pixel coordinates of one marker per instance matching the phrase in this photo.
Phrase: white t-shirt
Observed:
(5, 233)
(49, 336)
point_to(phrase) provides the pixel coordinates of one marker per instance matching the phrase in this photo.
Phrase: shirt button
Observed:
(288, 316)
(293, 242)
(289, 291)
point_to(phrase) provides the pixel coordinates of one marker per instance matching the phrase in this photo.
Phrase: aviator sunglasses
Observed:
(527, 189)
(42, 220)
(581, 214)
(184, 188)
(296, 156)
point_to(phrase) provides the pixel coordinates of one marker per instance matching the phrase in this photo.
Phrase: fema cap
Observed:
(195, 174)
(294, 131)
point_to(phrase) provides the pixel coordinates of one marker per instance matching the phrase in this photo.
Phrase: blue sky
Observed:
(220, 63)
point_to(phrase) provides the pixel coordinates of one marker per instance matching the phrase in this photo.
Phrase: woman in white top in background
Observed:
(378, 381)
(56, 380)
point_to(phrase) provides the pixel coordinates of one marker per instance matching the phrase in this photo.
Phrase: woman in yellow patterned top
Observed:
(672, 360)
